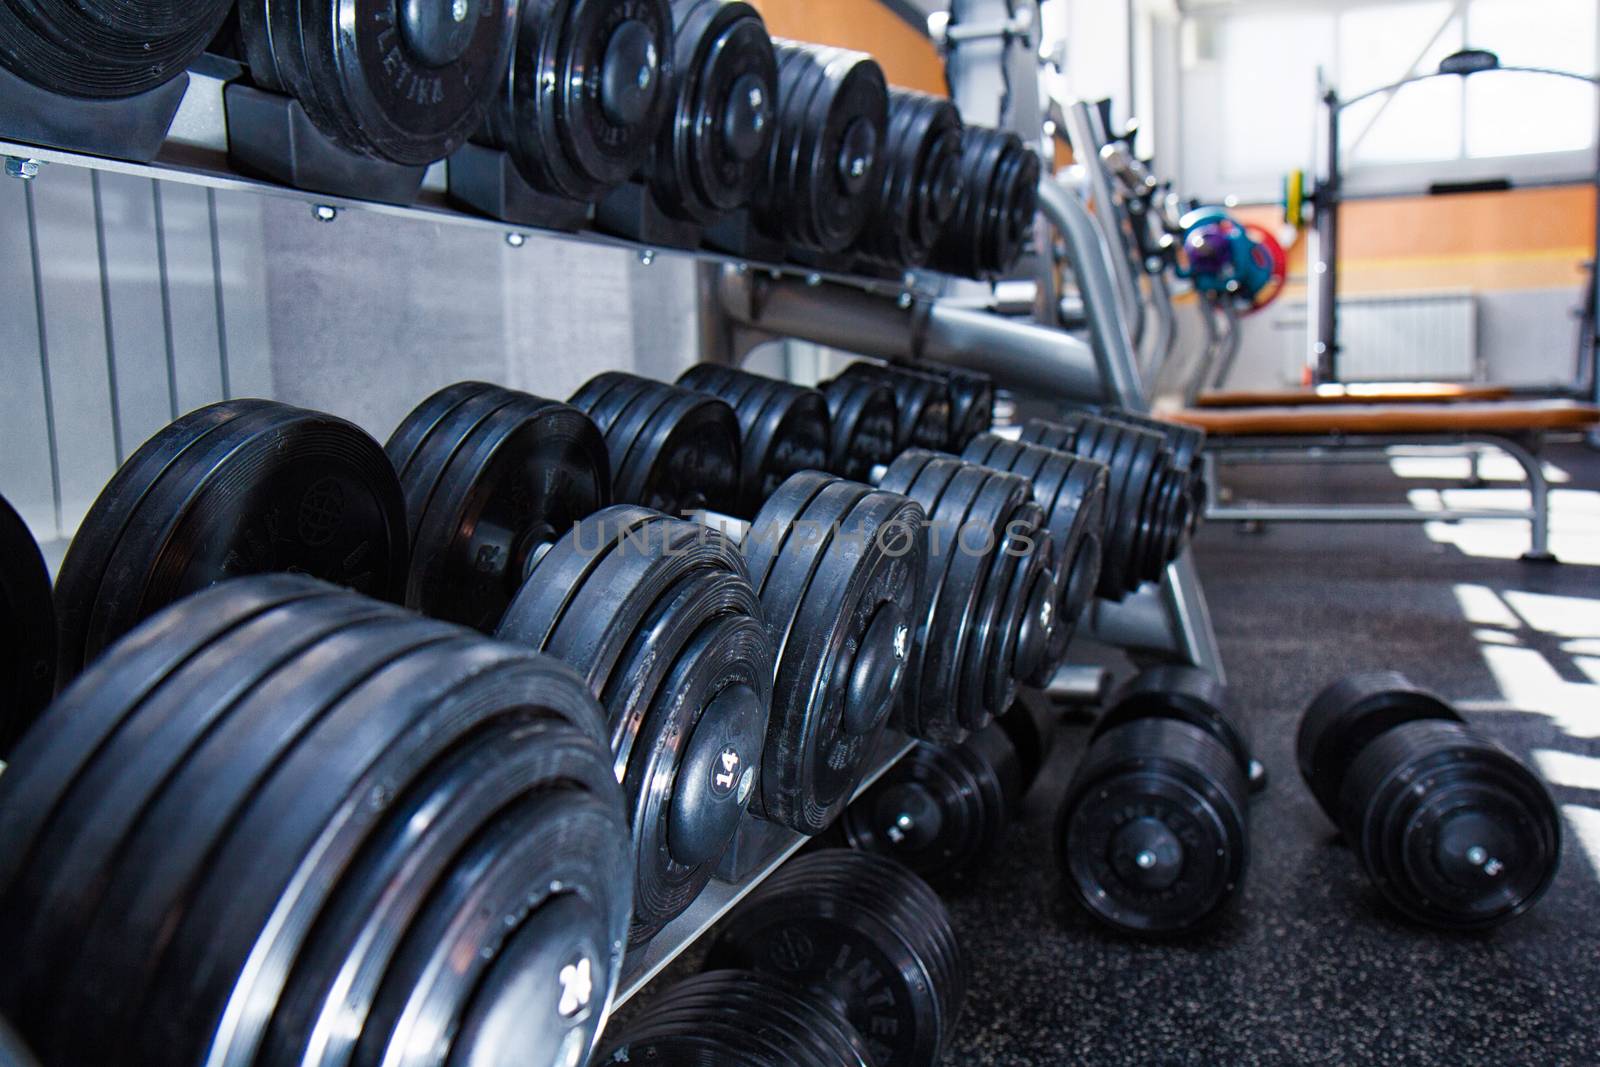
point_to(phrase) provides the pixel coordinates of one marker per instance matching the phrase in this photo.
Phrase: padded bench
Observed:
(1355, 393)
(1365, 432)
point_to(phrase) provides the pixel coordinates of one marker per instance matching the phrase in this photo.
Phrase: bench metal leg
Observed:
(1539, 490)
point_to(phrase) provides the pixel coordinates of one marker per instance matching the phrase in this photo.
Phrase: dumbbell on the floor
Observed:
(942, 809)
(989, 614)
(105, 50)
(712, 150)
(1453, 830)
(784, 428)
(236, 488)
(659, 616)
(832, 118)
(739, 1019)
(586, 95)
(920, 185)
(282, 822)
(867, 935)
(1150, 502)
(993, 220)
(344, 73)
(491, 476)
(27, 629)
(672, 449)
(1152, 831)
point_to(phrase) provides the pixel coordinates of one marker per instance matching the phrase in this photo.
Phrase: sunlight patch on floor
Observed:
(1585, 823)
(1568, 769)
(1574, 523)
(1529, 683)
(1494, 467)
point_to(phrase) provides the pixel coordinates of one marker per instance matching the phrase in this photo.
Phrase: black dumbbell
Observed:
(490, 477)
(865, 932)
(993, 220)
(27, 629)
(822, 184)
(922, 403)
(920, 184)
(1153, 830)
(942, 809)
(784, 428)
(712, 151)
(839, 569)
(1453, 830)
(236, 488)
(659, 615)
(104, 49)
(586, 95)
(1074, 493)
(739, 1019)
(672, 449)
(1185, 445)
(971, 404)
(990, 612)
(864, 416)
(1149, 508)
(282, 822)
(408, 94)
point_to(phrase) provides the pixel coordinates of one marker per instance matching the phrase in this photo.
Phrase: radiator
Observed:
(1430, 337)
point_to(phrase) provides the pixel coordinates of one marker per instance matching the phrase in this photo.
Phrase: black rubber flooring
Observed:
(1310, 967)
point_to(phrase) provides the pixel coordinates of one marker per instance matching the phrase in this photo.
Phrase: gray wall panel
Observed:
(138, 336)
(25, 469)
(74, 341)
(191, 294)
(242, 279)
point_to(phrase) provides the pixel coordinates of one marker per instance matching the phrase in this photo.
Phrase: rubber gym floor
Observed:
(1310, 967)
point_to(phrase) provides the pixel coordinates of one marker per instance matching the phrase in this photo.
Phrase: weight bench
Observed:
(1354, 393)
(1367, 432)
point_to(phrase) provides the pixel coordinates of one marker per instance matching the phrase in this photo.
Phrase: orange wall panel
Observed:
(908, 58)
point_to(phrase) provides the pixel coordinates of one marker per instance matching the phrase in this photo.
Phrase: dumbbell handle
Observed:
(1010, 433)
(736, 530)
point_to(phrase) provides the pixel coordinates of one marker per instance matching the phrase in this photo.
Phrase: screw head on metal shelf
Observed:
(324, 212)
(26, 169)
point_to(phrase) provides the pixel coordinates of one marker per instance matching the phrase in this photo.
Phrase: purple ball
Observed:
(1209, 249)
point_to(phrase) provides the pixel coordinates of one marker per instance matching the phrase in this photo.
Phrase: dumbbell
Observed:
(103, 49)
(408, 94)
(586, 95)
(823, 180)
(990, 611)
(660, 617)
(993, 219)
(490, 476)
(864, 415)
(1185, 445)
(1152, 832)
(863, 932)
(922, 403)
(236, 488)
(784, 428)
(713, 147)
(1149, 505)
(971, 404)
(1074, 493)
(839, 569)
(739, 1019)
(672, 449)
(1453, 830)
(27, 629)
(942, 809)
(920, 184)
(282, 822)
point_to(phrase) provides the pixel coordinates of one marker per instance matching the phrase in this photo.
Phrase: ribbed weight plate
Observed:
(864, 417)
(105, 48)
(921, 181)
(922, 403)
(971, 405)
(243, 487)
(1185, 694)
(27, 629)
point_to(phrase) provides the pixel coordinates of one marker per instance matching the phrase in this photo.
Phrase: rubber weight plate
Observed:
(1024, 647)
(1348, 716)
(105, 48)
(738, 1019)
(491, 484)
(839, 570)
(587, 92)
(1186, 694)
(671, 449)
(1453, 830)
(823, 181)
(942, 809)
(865, 932)
(713, 150)
(420, 781)
(967, 244)
(1152, 830)
(922, 403)
(402, 82)
(971, 406)
(242, 487)
(27, 629)
(784, 428)
(864, 415)
(921, 181)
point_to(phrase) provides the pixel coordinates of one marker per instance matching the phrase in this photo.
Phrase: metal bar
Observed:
(1324, 259)
(1359, 513)
(1230, 345)
(1590, 79)
(1083, 125)
(1090, 256)
(1169, 618)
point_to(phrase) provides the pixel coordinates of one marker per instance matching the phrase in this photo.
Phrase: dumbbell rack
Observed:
(907, 321)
